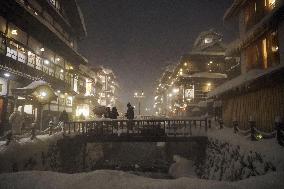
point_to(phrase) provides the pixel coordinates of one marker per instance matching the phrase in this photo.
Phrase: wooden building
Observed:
(200, 71)
(258, 93)
(38, 41)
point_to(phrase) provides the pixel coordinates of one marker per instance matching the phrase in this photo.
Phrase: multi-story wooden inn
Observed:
(38, 42)
(258, 93)
(200, 71)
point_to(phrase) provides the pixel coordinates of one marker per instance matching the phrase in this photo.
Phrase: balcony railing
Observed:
(24, 55)
(30, 6)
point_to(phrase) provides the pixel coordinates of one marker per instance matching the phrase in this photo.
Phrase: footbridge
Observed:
(146, 130)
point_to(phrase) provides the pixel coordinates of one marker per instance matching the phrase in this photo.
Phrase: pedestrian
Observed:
(16, 121)
(114, 113)
(130, 112)
(130, 116)
(107, 113)
(51, 127)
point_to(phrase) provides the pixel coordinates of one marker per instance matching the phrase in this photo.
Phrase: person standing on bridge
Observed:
(130, 112)
(114, 113)
(107, 113)
(130, 116)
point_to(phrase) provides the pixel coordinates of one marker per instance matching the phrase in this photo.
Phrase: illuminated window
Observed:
(2, 25)
(264, 53)
(88, 87)
(53, 2)
(208, 40)
(271, 3)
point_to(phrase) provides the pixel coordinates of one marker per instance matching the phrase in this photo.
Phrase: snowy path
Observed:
(115, 179)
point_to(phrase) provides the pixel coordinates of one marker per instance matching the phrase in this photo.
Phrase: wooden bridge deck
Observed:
(166, 130)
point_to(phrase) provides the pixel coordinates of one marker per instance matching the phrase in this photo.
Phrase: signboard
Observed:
(189, 93)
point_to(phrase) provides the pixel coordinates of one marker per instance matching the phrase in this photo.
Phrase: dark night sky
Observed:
(137, 38)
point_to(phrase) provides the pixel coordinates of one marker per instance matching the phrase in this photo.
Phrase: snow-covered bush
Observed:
(228, 162)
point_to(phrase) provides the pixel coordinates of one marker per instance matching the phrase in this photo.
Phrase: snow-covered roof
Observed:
(207, 75)
(35, 85)
(202, 104)
(208, 53)
(196, 109)
(243, 79)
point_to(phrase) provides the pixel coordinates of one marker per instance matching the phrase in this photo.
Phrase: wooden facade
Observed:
(258, 94)
(264, 105)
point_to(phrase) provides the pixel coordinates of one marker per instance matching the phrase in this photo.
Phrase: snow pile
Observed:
(182, 168)
(55, 153)
(24, 154)
(269, 148)
(227, 162)
(116, 179)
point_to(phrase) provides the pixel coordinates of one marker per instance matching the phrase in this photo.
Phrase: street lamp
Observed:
(139, 96)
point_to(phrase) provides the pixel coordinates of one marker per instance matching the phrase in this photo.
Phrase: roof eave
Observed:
(234, 9)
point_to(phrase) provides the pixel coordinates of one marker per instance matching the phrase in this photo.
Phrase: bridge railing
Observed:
(151, 128)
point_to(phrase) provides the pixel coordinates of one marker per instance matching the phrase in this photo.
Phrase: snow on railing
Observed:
(136, 129)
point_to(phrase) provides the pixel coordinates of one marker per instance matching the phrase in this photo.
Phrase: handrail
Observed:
(135, 128)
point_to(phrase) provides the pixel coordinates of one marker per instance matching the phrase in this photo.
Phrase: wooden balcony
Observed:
(25, 18)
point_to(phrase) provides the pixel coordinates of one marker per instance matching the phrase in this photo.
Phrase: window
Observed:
(264, 53)
(208, 40)
(2, 45)
(254, 12)
(17, 34)
(270, 4)
(53, 2)
(2, 25)
(35, 45)
(48, 54)
(59, 60)
(273, 48)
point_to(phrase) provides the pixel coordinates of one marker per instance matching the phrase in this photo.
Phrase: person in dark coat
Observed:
(114, 113)
(64, 117)
(130, 112)
(107, 113)
(130, 116)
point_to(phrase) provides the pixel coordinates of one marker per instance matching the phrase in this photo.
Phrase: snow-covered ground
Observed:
(19, 152)
(269, 148)
(116, 179)
(23, 148)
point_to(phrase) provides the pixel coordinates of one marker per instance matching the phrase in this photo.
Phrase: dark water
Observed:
(147, 159)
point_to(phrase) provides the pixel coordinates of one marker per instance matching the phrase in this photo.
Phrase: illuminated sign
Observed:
(189, 93)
